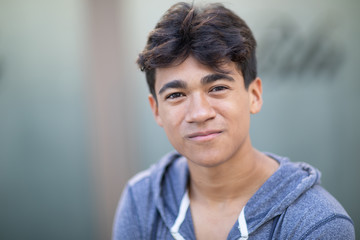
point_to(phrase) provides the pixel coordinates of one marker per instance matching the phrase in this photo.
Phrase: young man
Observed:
(200, 66)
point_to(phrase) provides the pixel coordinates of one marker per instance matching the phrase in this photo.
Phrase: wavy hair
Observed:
(213, 35)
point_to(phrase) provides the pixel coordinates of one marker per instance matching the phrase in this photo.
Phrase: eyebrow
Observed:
(214, 77)
(173, 84)
(180, 84)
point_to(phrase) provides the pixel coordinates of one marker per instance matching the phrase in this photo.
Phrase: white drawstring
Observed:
(243, 226)
(184, 205)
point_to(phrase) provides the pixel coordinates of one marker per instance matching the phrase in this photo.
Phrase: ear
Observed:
(255, 96)
(155, 109)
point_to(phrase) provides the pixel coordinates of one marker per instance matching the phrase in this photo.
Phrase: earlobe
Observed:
(155, 109)
(255, 93)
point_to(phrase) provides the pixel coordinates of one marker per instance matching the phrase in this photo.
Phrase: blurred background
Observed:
(75, 124)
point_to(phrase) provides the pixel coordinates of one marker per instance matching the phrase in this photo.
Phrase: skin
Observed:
(206, 116)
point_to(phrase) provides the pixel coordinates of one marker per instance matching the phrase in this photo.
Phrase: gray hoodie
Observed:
(289, 205)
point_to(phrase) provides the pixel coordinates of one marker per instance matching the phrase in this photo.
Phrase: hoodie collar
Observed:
(170, 180)
(279, 191)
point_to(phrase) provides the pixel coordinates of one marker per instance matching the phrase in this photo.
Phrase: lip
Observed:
(204, 135)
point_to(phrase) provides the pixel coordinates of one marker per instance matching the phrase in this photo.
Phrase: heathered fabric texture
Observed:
(290, 205)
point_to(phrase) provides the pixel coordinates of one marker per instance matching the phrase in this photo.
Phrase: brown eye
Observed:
(175, 95)
(218, 88)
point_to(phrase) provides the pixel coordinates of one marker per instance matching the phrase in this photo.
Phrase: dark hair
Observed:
(213, 35)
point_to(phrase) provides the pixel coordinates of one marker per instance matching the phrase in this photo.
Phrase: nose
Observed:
(199, 109)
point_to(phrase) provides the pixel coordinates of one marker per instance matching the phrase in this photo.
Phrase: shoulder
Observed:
(144, 185)
(150, 180)
(137, 207)
(319, 215)
(128, 217)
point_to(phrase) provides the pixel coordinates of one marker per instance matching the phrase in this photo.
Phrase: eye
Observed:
(218, 88)
(175, 95)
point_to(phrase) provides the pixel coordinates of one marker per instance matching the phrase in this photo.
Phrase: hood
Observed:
(169, 180)
(170, 177)
(284, 187)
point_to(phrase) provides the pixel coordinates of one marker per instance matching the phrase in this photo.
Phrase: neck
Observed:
(236, 180)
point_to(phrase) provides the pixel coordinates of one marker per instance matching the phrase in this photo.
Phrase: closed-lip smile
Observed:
(203, 135)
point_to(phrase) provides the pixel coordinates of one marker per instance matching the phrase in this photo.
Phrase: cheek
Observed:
(236, 109)
(236, 115)
(171, 119)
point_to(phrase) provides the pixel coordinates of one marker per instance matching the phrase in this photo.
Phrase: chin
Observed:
(206, 161)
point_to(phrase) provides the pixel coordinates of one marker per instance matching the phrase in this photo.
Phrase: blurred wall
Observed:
(113, 137)
(75, 123)
(45, 173)
(66, 128)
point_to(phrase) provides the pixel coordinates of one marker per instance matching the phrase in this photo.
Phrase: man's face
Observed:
(205, 114)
